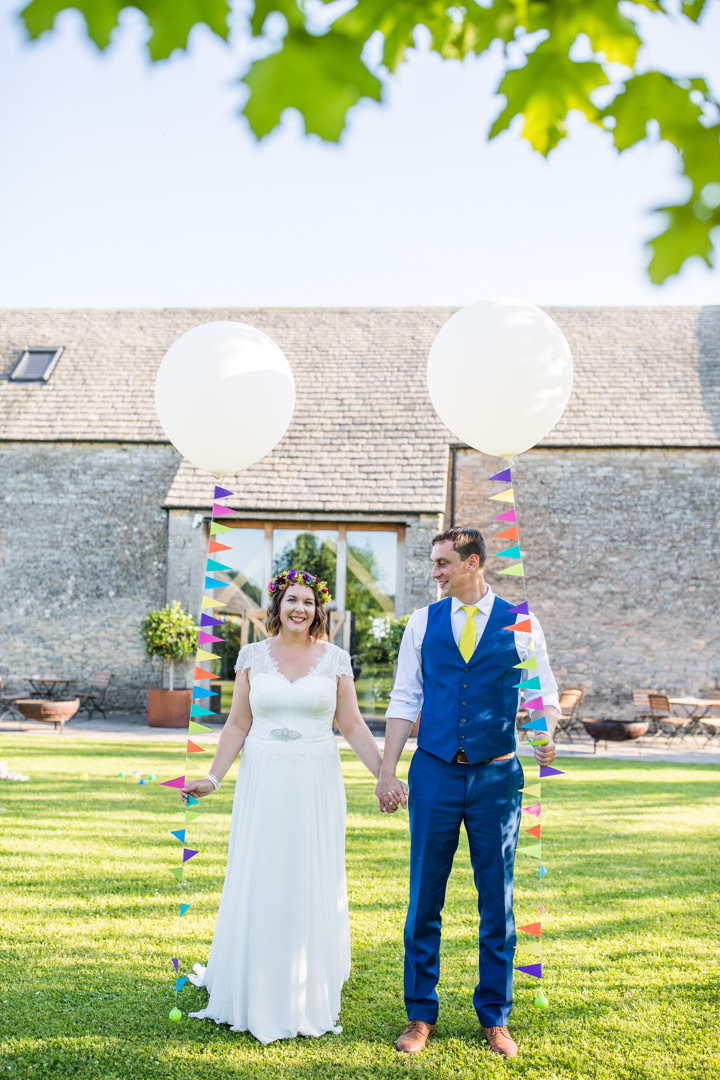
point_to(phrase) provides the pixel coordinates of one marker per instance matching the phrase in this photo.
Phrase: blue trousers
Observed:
(487, 799)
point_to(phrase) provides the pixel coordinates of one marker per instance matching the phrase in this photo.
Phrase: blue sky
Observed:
(127, 184)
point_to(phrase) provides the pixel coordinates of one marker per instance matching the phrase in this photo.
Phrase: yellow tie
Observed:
(466, 644)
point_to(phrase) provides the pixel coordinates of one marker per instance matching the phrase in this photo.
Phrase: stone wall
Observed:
(621, 558)
(419, 587)
(82, 560)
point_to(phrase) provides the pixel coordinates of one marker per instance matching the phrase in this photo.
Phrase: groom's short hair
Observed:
(465, 541)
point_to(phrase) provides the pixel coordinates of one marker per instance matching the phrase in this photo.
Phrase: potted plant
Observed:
(172, 633)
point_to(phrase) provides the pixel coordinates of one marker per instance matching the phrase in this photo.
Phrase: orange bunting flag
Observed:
(532, 928)
(535, 831)
(193, 748)
(215, 545)
(201, 675)
(509, 534)
(524, 627)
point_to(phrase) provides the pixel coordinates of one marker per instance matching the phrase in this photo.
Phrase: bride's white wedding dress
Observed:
(281, 948)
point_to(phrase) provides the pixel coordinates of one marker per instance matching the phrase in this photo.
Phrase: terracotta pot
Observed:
(169, 708)
(51, 712)
(616, 730)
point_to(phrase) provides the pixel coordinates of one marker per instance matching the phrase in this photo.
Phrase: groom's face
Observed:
(450, 571)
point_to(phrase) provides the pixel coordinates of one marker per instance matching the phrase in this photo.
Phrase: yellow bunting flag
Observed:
(208, 602)
(505, 496)
(203, 654)
(533, 790)
(530, 945)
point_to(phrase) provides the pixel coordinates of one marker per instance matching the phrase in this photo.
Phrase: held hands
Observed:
(391, 793)
(545, 754)
(198, 788)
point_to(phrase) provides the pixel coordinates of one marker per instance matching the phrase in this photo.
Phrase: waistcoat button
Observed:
(463, 721)
(464, 702)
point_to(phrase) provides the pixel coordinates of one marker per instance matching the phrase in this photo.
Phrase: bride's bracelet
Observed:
(213, 780)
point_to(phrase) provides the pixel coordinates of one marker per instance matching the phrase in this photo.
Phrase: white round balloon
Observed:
(225, 395)
(500, 375)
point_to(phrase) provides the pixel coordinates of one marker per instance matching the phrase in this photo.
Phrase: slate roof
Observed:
(364, 436)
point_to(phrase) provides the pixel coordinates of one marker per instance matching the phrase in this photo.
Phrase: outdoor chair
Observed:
(667, 722)
(643, 711)
(8, 702)
(92, 699)
(569, 721)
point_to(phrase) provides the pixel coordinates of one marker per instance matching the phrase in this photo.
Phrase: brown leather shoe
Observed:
(414, 1037)
(500, 1041)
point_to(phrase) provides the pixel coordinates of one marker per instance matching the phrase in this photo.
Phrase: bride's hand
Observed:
(198, 788)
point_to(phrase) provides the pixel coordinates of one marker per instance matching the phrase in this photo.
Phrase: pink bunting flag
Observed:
(534, 703)
(505, 476)
(218, 509)
(188, 853)
(178, 782)
(531, 969)
(221, 493)
(542, 908)
(532, 928)
(545, 770)
(534, 809)
(207, 639)
(509, 515)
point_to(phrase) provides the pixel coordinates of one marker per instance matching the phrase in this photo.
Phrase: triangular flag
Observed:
(505, 476)
(177, 871)
(193, 748)
(536, 725)
(534, 703)
(201, 675)
(180, 833)
(219, 509)
(201, 692)
(508, 534)
(213, 564)
(523, 627)
(178, 782)
(188, 853)
(190, 815)
(532, 789)
(509, 515)
(194, 728)
(533, 850)
(209, 620)
(535, 831)
(545, 770)
(532, 928)
(527, 665)
(215, 545)
(515, 571)
(203, 654)
(213, 583)
(221, 493)
(191, 800)
(175, 964)
(208, 602)
(197, 710)
(207, 639)
(538, 742)
(520, 609)
(180, 982)
(528, 945)
(533, 683)
(532, 969)
(504, 496)
(509, 553)
(183, 909)
(543, 871)
(534, 810)
(216, 527)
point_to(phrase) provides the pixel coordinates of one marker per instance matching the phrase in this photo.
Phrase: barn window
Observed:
(36, 364)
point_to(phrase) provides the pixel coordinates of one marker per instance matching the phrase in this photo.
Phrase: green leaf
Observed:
(610, 32)
(653, 96)
(322, 77)
(544, 91)
(693, 8)
(170, 23)
(289, 8)
(686, 235)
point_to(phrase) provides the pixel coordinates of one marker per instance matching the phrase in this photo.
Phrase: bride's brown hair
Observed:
(319, 624)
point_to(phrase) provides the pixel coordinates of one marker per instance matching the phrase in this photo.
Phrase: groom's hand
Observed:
(391, 793)
(545, 754)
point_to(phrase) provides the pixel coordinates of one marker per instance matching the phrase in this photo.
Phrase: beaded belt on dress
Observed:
(285, 733)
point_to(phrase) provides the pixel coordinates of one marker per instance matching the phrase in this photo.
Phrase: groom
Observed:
(458, 661)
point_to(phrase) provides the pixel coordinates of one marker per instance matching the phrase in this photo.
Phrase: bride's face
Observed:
(297, 609)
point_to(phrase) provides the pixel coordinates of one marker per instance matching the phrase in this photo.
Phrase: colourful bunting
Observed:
(180, 833)
(201, 675)
(520, 609)
(505, 476)
(201, 692)
(515, 571)
(221, 493)
(210, 620)
(537, 725)
(178, 782)
(534, 809)
(188, 853)
(538, 742)
(193, 748)
(175, 964)
(529, 945)
(532, 928)
(197, 710)
(194, 728)
(177, 871)
(213, 583)
(533, 850)
(534, 703)
(213, 564)
(533, 683)
(523, 627)
(184, 908)
(509, 515)
(208, 602)
(527, 665)
(191, 800)
(207, 639)
(545, 770)
(543, 871)
(532, 789)
(219, 509)
(504, 496)
(180, 982)
(215, 545)
(532, 969)
(216, 527)
(509, 553)
(190, 815)
(535, 831)
(203, 654)
(508, 534)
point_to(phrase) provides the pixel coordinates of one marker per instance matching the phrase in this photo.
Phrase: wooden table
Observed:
(696, 707)
(50, 686)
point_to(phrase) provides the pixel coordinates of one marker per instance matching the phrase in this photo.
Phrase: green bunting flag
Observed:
(177, 871)
(194, 728)
(527, 665)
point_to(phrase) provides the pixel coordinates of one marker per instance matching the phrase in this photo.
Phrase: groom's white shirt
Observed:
(407, 693)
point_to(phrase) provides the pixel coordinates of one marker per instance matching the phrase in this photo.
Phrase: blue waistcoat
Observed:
(470, 705)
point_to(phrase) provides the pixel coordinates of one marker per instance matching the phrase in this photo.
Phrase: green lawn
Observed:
(88, 923)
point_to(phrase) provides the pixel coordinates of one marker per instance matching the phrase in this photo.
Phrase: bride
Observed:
(281, 948)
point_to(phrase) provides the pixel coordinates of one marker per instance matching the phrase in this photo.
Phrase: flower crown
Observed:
(298, 577)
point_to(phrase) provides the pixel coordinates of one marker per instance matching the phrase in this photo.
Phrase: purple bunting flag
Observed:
(175, 964)
(209, 620)
(505, 476)
(520, 609)
(531, 969)
(188, 854)
(545, 770)
(221, 493)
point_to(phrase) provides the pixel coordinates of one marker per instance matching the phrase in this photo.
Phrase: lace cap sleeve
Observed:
(342, 663)
(244, 659)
